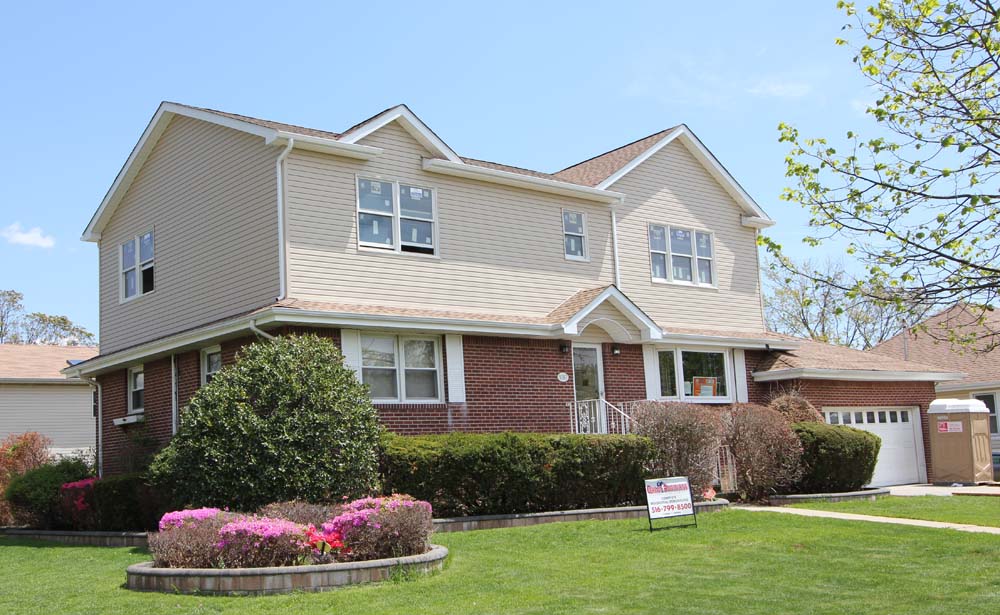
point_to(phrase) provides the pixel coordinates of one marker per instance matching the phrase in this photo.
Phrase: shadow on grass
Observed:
(40, 543)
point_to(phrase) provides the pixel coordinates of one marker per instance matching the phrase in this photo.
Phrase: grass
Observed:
(737, 561)
(970, 510)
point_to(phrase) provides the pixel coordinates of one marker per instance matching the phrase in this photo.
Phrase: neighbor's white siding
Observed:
(501, 248)
(209, 194)
(672, 187)
(64, 413)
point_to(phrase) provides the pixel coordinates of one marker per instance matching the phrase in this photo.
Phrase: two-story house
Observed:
(467, 295)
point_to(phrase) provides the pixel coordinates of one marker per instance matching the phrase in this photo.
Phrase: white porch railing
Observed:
(599, 416)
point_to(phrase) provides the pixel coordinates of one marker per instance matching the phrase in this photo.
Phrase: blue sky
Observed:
(530, 84)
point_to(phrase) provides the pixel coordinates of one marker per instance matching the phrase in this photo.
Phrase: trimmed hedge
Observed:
(482, 474)
(127, 503)
(835, 458)
(35, 495)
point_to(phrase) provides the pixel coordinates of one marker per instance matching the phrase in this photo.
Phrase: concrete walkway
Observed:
(909, 490)
(825, 514)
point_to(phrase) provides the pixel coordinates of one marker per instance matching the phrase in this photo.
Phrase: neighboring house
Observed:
(35, 396)
(978, 358)
(468, 295)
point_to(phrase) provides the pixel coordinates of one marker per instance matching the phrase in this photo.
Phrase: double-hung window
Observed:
(401, 368)
(990, 399)
(211, 363)
(396, 216)
(575, 235)
(701, 375)
(136, 257)
(136, 390)
(681, 255)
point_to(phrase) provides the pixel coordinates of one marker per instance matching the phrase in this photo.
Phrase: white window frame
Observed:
(669, 256)
(139, 267)
(583, 237)
(397, 217)
(400, 367)
(205, 352)
(728, 375)
(131, 380)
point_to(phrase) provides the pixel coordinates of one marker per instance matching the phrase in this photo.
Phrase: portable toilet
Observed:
(960, 441)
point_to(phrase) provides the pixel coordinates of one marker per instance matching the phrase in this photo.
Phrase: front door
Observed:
(589, 388)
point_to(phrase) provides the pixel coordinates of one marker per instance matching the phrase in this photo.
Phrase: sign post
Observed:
(667, 498)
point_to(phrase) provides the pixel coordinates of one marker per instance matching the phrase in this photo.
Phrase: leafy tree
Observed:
(796, 305)
(287, 421)
(10, 312)
(918, 201)
(36, 327)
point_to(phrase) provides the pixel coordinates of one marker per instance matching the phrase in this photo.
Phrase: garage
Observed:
(901, 458)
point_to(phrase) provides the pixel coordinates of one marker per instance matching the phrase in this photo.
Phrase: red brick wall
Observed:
(624, 374)
(850, 393)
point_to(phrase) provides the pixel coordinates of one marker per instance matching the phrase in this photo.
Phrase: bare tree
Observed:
(799, 305)
(16, 327)
(10, 314)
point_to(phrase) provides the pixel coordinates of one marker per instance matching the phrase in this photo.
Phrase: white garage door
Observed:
(900, 460)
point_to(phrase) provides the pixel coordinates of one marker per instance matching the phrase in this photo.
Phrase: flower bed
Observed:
(364, 530)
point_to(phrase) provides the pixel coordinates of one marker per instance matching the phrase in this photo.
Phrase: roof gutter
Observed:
(871, 375)
(506, 178)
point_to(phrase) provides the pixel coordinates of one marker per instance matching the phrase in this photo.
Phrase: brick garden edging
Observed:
(89, 539)
(866, 495)
(492, 522)
(456, 524)
(279, 579)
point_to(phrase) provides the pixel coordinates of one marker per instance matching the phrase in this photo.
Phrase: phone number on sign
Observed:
(670, 507)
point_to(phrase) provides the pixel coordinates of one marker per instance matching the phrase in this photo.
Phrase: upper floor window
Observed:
(137, 276)
(396, 216)
(211, 363)
(575, 235)
(681, 255)
(136, 390)
(401, 368)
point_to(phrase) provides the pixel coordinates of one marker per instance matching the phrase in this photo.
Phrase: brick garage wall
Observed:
(849, 393)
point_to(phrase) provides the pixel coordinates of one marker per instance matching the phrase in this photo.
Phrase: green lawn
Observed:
(971, 510)
(737, 561)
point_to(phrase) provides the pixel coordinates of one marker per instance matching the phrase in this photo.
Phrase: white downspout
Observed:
(260, 332)
(174, 397)
(614, 247)
(100, 424)
(282, 283)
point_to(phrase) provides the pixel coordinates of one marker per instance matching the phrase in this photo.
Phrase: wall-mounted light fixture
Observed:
(564, 348)
(616, 349)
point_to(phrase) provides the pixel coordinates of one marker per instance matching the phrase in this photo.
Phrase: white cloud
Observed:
(35, 237)
(779, 88)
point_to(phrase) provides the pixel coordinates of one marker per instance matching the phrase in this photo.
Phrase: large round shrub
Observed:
(764, 448)
(686, 439)
(835, 457)
(35, 495)
(287, 421)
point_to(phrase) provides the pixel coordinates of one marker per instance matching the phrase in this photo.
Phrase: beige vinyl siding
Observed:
(209, 194)
(607, 323)
(672, 188)
(501, 248)
(62, 412)
(968, 394)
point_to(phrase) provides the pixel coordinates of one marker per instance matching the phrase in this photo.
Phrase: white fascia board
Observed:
(650, 330)
(379, 321)
(853, 374)
(694, 145)
(747, 343)
(987, 386)
(413, 125)
(756, 222)
(326, 146)
(496, 176)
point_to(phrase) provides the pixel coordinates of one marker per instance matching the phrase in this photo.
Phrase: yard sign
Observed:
(669, 497)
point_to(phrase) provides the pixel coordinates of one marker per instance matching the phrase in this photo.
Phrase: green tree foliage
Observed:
(16, 327)
(287, 421)
(918, 200)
